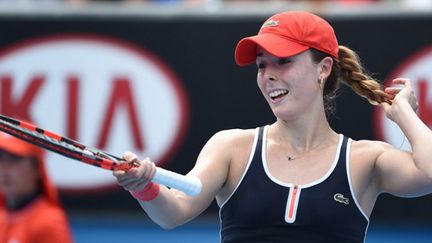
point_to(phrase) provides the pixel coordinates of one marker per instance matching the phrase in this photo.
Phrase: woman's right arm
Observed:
(172, 207)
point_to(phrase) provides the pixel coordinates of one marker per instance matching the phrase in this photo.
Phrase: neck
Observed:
(302, 135)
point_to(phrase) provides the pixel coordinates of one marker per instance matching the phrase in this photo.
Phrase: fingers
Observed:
(408, 91)
(135, 178)
(392, 92)
(118, 173)
(130, 157)
(150, 170)
(400, 85)
(401, 92)
(402, 81)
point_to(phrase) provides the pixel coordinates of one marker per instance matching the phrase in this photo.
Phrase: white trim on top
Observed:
(287, 184)
(349, 180)
(251, 155)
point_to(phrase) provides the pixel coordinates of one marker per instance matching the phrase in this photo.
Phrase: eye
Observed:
(261, 65)
(284, 61)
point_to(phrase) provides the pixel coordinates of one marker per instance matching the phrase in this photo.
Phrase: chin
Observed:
(283, 114)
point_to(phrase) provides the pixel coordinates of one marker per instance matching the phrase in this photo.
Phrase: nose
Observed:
(270, 75)
(271, 78)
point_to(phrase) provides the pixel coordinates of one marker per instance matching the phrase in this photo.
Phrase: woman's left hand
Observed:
(400, 95)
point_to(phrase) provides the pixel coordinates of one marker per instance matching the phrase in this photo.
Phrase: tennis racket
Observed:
(77, 151)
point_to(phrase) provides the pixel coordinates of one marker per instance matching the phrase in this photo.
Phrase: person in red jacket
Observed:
(30, 211)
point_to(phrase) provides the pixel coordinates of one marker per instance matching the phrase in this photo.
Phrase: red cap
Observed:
(22, 148)
(19, 147)
(289, 33)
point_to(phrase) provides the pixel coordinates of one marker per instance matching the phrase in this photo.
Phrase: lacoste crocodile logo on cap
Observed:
(270, 23)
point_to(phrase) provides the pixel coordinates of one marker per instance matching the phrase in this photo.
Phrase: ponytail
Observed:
(352, 74)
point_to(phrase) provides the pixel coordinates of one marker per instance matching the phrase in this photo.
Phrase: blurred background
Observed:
(159, 78)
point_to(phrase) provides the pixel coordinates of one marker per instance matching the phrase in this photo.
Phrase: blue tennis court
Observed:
(132, 230)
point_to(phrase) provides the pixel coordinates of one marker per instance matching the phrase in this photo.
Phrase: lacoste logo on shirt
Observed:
(340, 198)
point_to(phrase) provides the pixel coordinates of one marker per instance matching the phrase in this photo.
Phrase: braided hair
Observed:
(349, 71)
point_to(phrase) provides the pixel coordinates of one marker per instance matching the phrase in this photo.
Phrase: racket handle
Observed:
(189, 185)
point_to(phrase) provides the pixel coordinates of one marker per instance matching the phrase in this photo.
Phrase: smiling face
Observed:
(290, 85)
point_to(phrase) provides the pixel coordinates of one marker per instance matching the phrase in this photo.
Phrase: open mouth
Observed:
(277, 94)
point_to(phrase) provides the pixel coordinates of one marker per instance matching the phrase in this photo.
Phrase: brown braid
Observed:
(353, 74)
(348, 70)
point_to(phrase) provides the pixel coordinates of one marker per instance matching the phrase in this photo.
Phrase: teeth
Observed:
(276, 93)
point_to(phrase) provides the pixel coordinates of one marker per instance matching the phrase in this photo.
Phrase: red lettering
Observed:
(425, 107)
(72, 107)
(121, 96)
(19, 107)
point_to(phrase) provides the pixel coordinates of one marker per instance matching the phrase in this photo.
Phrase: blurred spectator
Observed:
(30, 211)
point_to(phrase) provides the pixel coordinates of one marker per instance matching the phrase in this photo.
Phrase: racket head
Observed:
(62, 145)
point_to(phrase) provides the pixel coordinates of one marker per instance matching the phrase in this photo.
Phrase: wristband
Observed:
(148, 193)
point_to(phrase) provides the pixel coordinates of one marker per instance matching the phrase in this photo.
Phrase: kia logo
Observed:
(104, 92)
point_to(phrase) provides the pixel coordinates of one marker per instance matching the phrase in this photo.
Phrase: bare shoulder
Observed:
(236, 133)
(236, 149)
(368, 149)
(225, 145)
(370, 145)
(235, 137)
(222, 159)
(363, 159)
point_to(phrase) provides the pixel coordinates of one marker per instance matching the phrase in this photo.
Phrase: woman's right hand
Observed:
(137, 178)
(402, 96)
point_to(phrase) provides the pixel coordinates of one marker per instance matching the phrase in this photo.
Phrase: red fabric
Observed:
(22, 148)
(148, 193)
(43, 220)
(289, 33)
(40, 222)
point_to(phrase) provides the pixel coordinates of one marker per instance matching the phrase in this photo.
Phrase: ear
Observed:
(325, 67)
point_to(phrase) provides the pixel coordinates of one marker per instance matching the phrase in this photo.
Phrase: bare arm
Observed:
(404, 173)
(172, 207)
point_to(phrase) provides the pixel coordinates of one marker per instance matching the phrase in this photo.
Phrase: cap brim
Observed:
(18, 147)
(245, 52)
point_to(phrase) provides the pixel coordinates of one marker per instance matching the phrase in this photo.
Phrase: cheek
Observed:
(307, 81)
(260, 82)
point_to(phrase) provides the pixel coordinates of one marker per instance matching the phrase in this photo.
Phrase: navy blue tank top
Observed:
(263, 209)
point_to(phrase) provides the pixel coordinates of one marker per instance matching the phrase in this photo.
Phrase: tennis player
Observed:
(30, 210)
(297, 180)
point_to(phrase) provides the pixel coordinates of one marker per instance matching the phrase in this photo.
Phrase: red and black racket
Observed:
(75, 150)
